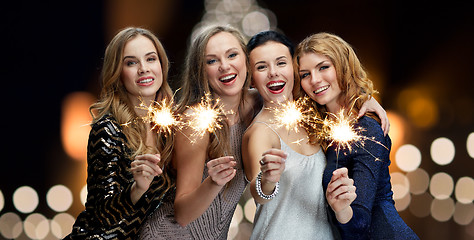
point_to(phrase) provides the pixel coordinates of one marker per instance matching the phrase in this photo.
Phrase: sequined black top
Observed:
(374, 213)
(110, 213)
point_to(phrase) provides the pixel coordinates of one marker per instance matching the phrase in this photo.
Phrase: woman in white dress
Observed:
(285, 169)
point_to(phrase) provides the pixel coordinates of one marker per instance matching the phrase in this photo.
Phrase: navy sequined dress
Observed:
(110, 213)
(375, 216)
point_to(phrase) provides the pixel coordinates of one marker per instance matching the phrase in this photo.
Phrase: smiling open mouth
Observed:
(321, 89)
(276, 87)
(228, 78)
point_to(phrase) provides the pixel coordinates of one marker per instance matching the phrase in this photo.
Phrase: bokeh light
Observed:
(420, 205)
(75, 124)
(403, 203)
(255, 22)
(83, 195)
(463, 213)
(442, 151)
(36, 226)
(464, 191)
(59, 198)
(400, 185)
(25, 199)
(397, 128)
(234, 224)
(2, 201)
(442, 209)
(408, 158)
(245, 15)
(10, 225)
(249, 210)
(61, 225)
(470, 144)
(441, 185)
(419, 181)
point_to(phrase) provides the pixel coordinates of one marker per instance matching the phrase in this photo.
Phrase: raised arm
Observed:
(373, 106)
(261, 153)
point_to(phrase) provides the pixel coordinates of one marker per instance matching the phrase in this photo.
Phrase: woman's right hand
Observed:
(221, 170)
(272, 165)
(340, 193)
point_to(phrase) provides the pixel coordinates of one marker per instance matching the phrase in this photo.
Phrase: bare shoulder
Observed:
(259, 132)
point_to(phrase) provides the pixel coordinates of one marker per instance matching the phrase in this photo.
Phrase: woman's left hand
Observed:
(373, 106)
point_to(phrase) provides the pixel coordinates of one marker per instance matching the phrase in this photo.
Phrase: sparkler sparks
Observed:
(341, 130)
(205, 116)
(292, 114)
(336, 129)
(161, 115)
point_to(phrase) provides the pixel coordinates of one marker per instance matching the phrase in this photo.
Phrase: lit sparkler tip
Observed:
(161, 115)
(291, 114)
(205, 116)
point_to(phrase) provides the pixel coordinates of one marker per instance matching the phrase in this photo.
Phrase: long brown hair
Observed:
(114, 99)
(195, 84)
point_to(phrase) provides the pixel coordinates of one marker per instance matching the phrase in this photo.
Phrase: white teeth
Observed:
(321, 89)
(146, 80)
(276, 84)
(228, 77)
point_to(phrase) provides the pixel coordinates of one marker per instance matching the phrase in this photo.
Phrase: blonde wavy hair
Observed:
(114, 99)
(356, 87)
(195, 84)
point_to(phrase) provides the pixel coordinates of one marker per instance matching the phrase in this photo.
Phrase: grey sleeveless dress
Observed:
(298, 211)
(215, 222)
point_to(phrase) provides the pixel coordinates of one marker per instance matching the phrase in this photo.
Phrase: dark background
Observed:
(56, 48)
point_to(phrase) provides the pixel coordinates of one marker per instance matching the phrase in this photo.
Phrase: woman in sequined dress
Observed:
(122, 192)
(331, 75)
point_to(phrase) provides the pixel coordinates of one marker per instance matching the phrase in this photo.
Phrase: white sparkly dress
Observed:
(298, 211)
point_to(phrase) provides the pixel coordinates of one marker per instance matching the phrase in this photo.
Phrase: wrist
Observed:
(258, 187)
(345, 215)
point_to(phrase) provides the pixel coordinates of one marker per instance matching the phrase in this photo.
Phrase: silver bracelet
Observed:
(258, 186)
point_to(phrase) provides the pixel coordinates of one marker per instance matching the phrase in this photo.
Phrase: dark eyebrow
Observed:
(150, 53)
(278, 58)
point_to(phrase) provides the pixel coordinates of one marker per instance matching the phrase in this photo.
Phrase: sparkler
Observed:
(161, 115)
(341, 130)
(335, 129)
(205, 116)
(292, 114)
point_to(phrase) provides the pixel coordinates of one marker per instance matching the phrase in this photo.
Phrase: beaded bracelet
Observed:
(258, 186)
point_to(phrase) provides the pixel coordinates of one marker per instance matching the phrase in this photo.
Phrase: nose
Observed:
(143, 68)
(272, 71)
(224, 65)
(315, 78)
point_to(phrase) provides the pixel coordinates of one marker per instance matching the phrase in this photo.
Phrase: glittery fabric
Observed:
(298, 211)
(214, 223)
(375, 216)
(109, 212)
